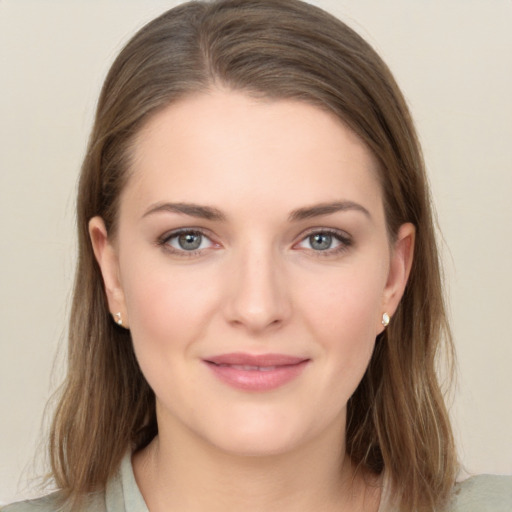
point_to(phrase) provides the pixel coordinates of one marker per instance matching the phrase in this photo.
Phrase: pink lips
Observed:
(256, 372)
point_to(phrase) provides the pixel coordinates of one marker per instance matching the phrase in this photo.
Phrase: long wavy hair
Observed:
(278, 49)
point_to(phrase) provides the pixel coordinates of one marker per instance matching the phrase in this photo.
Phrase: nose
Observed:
(259, 298)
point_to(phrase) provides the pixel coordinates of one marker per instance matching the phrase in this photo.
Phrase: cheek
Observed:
(343, 317)
(347, 302)
(168, 308)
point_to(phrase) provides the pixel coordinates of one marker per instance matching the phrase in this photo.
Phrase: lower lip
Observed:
(257, 380)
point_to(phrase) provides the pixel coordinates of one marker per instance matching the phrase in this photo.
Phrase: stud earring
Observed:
(118, 319)
(385, 319)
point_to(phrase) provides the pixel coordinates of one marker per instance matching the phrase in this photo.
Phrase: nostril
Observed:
(259, 298)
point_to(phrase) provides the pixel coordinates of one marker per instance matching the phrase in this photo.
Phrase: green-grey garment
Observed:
(484, 493)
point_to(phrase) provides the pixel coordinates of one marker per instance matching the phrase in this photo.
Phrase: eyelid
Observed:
(345, 240)
(163, 240)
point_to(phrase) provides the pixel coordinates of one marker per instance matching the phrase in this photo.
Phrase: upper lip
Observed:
(242, 359)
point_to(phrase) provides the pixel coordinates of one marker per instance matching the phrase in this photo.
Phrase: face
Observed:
(252, 266)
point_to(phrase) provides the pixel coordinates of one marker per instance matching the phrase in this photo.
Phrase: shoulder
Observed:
(44, 504)
(483, 493)
(52, 503)
(121, 494)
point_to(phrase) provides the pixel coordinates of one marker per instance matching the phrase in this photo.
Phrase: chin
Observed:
(258, 445)
(259, 434)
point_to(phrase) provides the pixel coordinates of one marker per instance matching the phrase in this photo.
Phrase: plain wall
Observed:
(453, 60)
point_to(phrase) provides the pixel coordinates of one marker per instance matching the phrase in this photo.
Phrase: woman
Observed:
(257, 308)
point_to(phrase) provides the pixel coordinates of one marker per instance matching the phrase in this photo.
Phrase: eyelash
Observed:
(164, 240)
(345, 241)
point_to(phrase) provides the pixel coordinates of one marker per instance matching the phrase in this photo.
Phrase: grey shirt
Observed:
(484, 493)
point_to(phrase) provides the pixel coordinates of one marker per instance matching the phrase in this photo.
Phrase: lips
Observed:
(250, 372)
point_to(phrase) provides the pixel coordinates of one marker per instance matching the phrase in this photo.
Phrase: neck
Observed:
(188, 474)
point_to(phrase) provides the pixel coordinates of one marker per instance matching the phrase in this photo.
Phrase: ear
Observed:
(106, 256)
(399, 269)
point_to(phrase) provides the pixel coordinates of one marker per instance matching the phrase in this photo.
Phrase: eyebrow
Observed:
(214, 214)
(326, 209)
(193, 210)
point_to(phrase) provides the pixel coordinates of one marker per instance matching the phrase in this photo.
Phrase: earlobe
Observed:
(107, 259)
(399, 269)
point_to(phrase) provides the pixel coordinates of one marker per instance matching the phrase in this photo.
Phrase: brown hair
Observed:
(397, 418)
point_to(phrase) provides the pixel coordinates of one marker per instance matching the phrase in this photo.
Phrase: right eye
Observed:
(186, 241)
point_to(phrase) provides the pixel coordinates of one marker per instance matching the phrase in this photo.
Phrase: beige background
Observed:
(453, 59)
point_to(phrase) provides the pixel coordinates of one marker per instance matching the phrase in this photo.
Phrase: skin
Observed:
(257, 284)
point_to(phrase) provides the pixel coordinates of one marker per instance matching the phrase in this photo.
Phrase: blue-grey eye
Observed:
(320, 241)
(190, 241)
(327, 241)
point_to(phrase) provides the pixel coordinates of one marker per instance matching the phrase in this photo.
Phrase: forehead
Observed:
(224, 146)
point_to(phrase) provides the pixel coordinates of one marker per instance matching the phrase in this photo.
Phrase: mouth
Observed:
(257, 373)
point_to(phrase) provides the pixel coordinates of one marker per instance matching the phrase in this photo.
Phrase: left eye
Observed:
(323, 241)
(188, 241)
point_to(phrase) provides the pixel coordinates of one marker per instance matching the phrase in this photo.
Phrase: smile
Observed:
(257, 373)
(249, 368)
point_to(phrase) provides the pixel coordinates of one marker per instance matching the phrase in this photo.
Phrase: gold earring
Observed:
(385, 319)
(118, 319)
